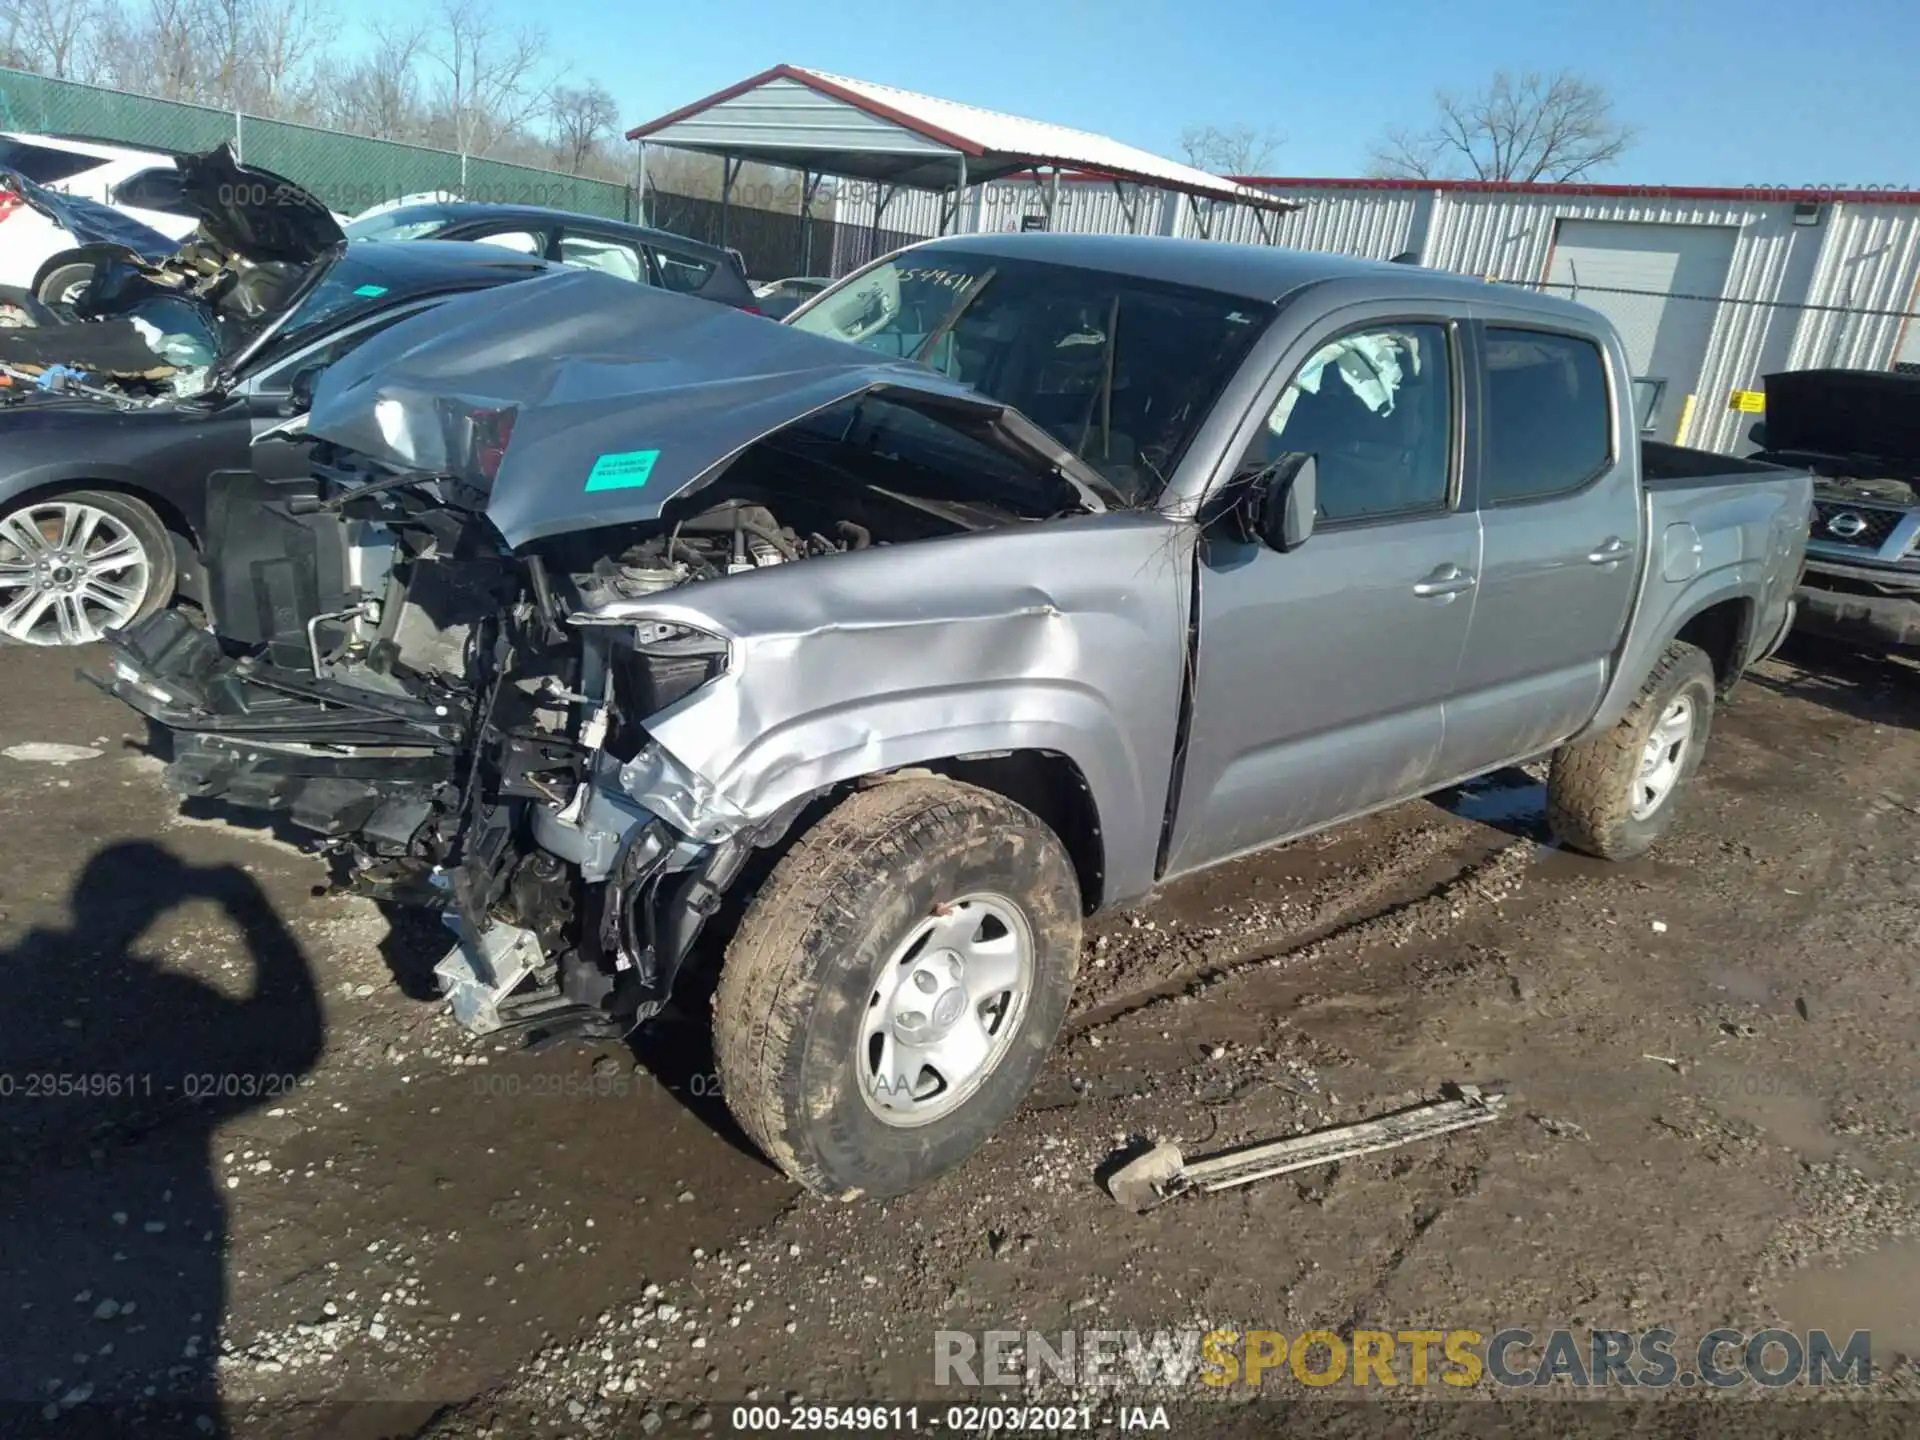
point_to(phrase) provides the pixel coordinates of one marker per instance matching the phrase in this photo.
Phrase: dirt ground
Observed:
(253, 1181)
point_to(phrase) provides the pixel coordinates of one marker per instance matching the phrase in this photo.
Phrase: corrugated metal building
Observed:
(1712, 289)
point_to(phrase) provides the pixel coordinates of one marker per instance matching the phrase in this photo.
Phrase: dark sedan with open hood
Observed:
(154, 314)
(108, 484)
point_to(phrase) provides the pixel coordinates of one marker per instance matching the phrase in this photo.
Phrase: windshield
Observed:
(347, 285)
(409, 222)
(1120, 369)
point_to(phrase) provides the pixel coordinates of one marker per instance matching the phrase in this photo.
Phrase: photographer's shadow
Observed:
(114, 1076)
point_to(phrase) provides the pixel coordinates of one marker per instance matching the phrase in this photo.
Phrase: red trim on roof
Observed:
(640, 132)
(1755, 193)
(1072, 177)
(825, 87)
(884, 112)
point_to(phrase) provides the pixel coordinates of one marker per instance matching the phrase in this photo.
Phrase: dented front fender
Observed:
(1067, 636)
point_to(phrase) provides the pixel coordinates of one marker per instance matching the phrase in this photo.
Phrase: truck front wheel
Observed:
(1616, 794)
(893, 989)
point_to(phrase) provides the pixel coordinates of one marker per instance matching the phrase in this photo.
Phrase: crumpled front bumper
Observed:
(344, 762)
(336, 759)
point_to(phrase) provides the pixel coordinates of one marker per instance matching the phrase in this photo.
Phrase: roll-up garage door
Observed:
(1634, 273)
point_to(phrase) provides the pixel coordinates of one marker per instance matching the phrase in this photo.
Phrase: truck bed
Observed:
(1673, 467)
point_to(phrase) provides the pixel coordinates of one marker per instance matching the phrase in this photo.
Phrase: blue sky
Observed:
(1739, 92)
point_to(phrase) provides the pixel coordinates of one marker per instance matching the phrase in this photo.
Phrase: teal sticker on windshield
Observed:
(371, 292)
(622, 470)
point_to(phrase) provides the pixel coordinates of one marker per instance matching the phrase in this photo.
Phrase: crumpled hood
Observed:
(256, 214)
(1870, 414)
(620, 397)
(88, 221)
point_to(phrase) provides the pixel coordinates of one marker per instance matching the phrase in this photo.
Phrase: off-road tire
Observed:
(1591, 784)
(798, 973)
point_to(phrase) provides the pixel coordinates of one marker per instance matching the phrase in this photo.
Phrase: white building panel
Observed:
(1868, 271)
(1637, 275)
(1833, 285)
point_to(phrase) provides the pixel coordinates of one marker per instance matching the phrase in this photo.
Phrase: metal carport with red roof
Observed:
(830, 125)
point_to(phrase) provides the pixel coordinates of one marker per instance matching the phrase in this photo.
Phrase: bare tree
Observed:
(1230, 150)
(158, 48)
(378, 92)
(261, 56)
(1523, 128)
(455, 77)
(51, 37)
(584, 117)
(490, 82)
(286, 40)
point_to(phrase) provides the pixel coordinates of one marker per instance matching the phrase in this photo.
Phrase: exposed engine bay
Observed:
(449, 718)
(542, 527)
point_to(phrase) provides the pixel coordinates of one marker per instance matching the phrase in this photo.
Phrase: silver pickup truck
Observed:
(1011, 578)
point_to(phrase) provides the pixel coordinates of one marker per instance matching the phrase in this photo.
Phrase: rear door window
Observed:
(619, 258)
(681, 272)
(522, 242)
(44, 164)
(1548, 415)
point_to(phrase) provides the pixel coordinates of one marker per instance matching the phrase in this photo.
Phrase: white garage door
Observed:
(1666, 337)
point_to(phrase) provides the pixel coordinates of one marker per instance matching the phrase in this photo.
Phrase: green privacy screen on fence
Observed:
(347, 172)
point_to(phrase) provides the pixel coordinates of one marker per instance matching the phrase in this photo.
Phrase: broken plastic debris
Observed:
(1163, 1172)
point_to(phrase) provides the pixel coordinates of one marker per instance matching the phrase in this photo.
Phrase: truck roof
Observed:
(1258, 272)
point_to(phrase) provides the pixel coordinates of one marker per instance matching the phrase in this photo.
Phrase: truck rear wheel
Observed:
(893, 989)
(1617, 793)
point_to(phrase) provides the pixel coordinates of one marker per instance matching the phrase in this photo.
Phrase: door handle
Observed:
(1444, 583)
(1612, 550)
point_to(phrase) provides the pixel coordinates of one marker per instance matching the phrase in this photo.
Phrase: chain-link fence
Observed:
(348, 173)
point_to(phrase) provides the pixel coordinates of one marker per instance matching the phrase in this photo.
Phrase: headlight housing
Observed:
(667, 640)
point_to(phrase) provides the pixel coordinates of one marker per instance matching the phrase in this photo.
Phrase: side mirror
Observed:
(299, 398)
(1758, 434)
(1283, 502)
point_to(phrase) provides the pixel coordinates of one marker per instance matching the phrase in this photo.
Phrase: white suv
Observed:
(143, 184)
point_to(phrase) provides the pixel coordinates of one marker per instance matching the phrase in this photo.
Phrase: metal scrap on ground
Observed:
(1163, 1172)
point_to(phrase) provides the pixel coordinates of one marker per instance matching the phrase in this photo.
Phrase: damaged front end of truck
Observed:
(528, 648)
